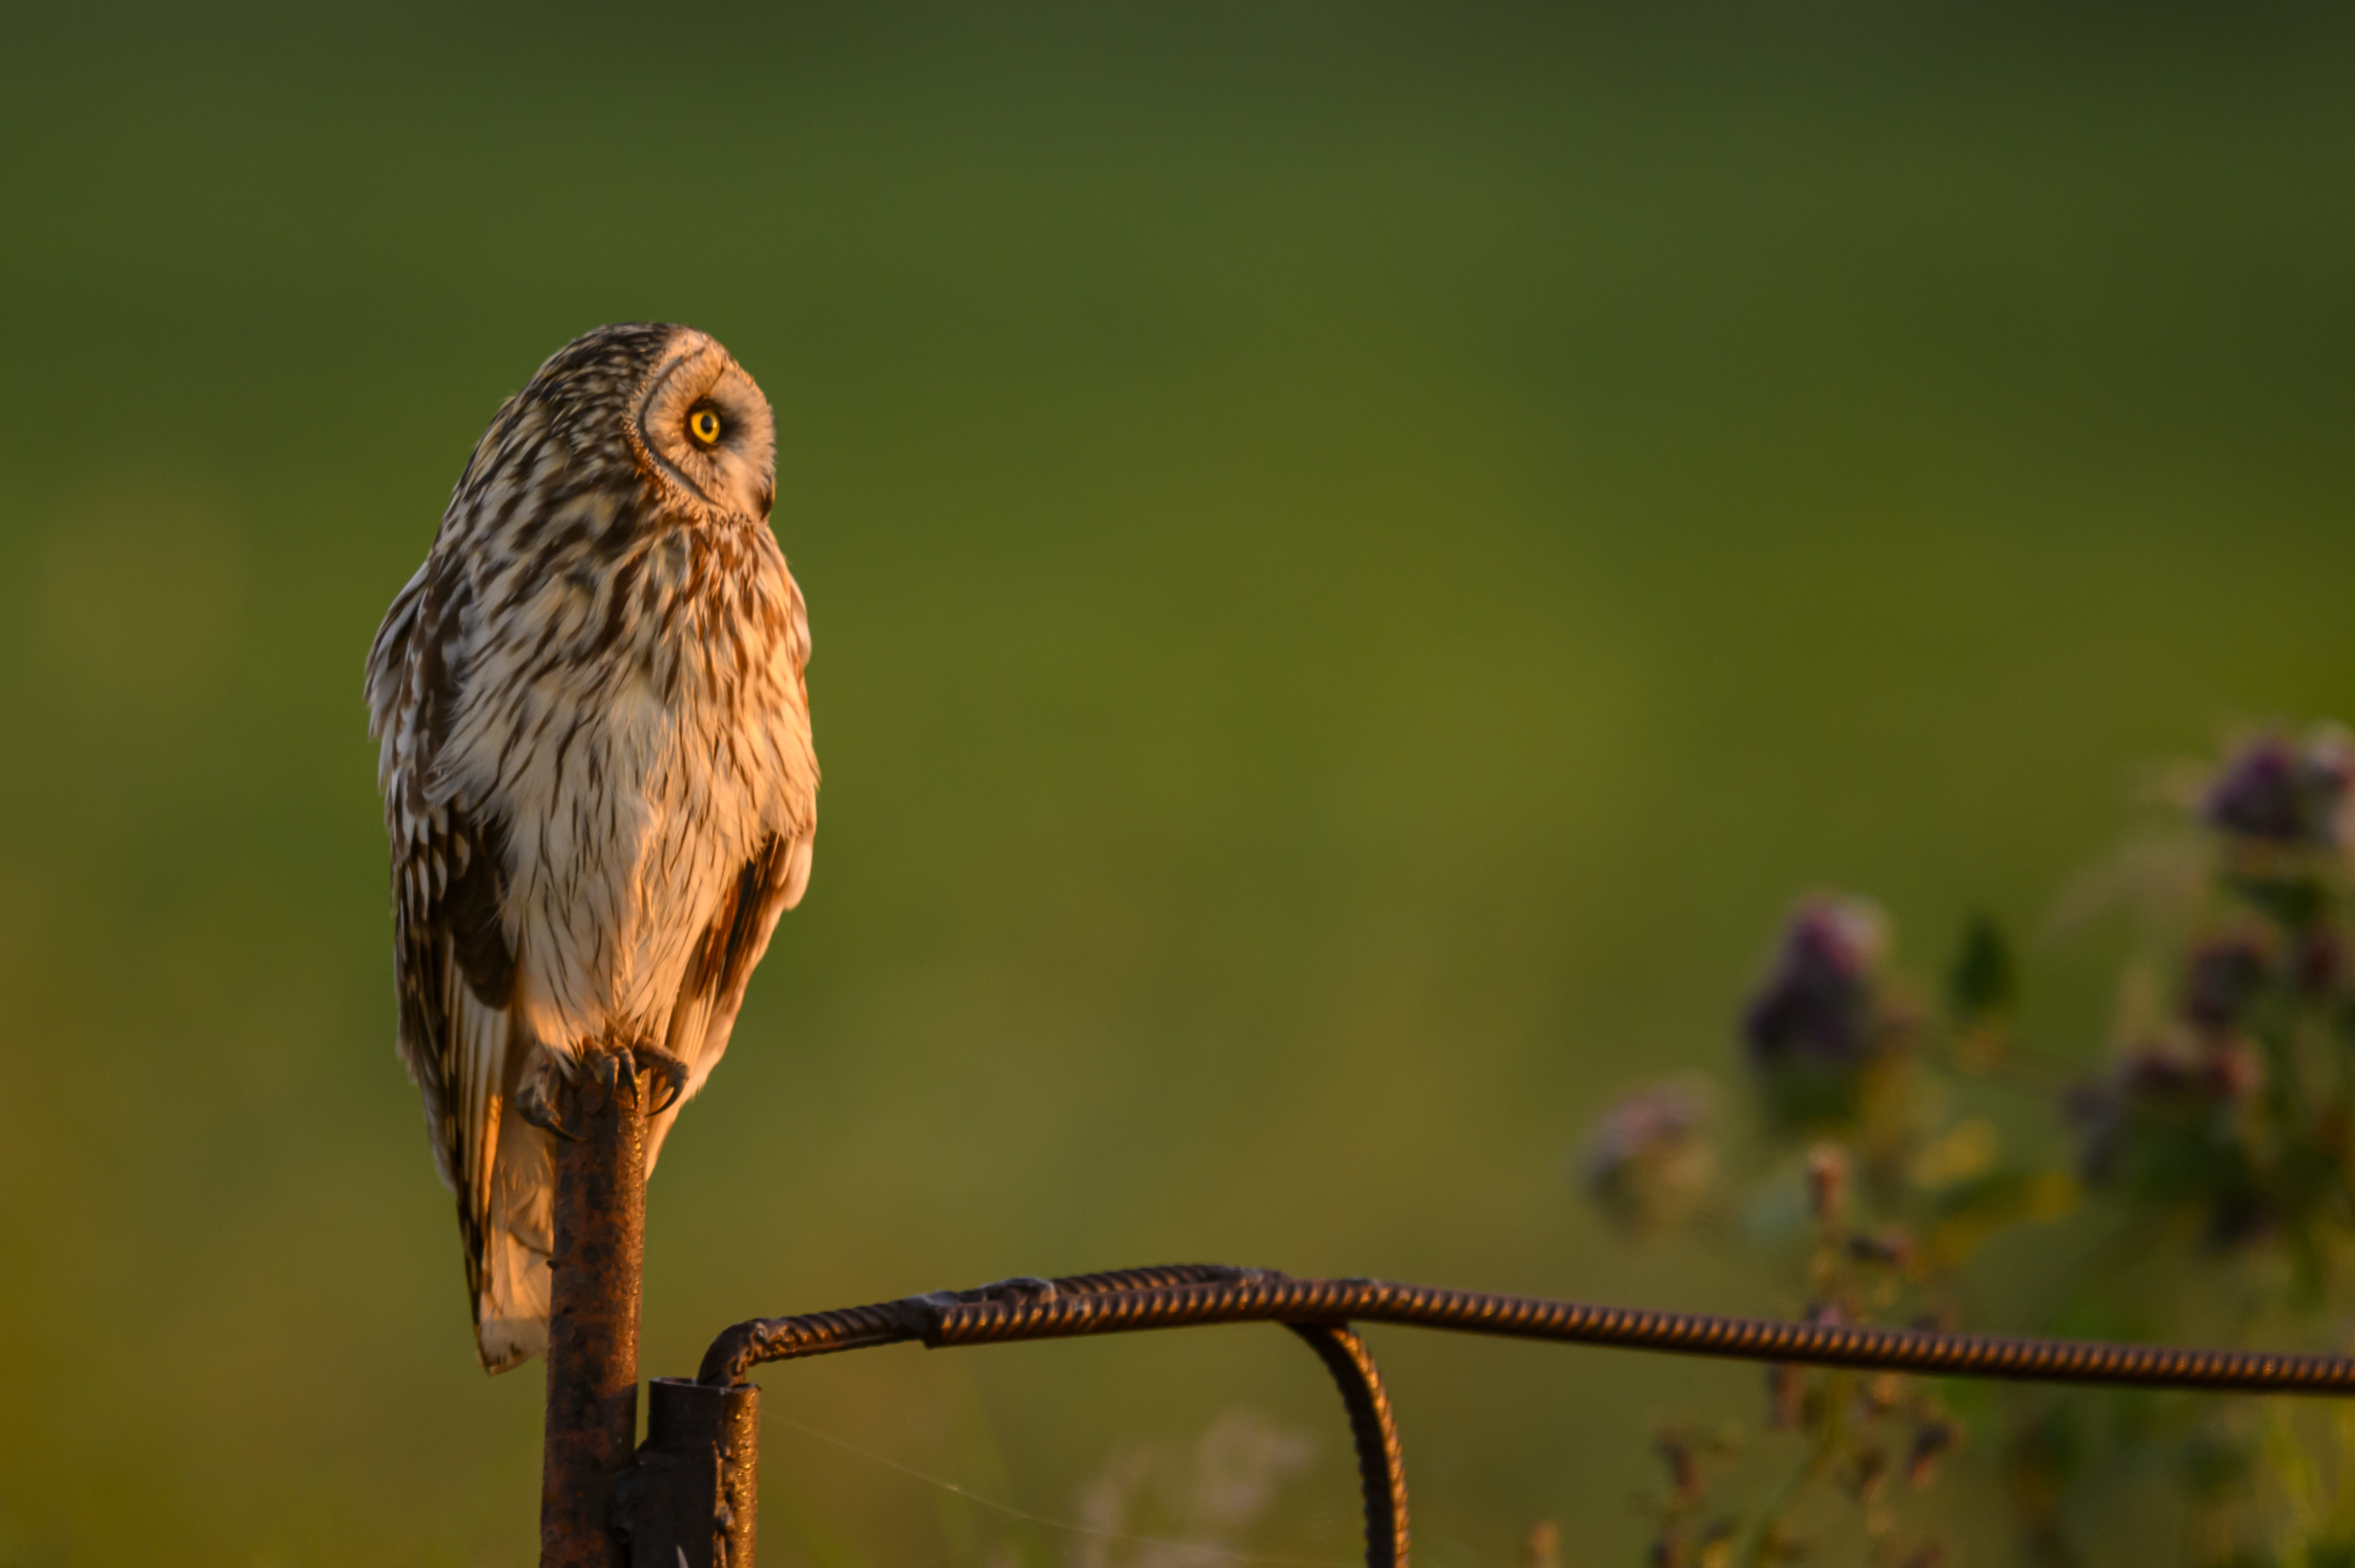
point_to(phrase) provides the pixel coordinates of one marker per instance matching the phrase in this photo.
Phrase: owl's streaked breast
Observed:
(652, 737)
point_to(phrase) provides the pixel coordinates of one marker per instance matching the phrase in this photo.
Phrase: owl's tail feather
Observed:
(511, 1316)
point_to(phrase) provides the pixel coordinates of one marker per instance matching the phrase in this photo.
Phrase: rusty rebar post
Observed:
(593, 1316)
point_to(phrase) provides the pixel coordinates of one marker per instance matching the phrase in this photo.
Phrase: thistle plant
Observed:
(2210, 1161)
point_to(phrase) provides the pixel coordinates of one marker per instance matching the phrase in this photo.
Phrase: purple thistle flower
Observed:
(2278, 790)
(1647, 1162)
(2225, 975)
(1817, 1003)
(2159, 1130)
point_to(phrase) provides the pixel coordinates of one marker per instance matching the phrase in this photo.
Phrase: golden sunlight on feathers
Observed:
(595, 758)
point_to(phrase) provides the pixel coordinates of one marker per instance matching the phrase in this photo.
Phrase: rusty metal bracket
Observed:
(692, 1496)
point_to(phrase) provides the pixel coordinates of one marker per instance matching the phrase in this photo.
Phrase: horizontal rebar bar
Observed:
(1197, 1293)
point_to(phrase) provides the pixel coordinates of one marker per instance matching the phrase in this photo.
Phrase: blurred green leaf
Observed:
(1983, 983)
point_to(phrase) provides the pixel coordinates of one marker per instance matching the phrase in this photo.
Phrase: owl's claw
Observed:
(668, 1072)
(615, 1073)
(537, 1107)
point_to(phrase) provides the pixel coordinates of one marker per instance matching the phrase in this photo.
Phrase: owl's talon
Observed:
(533, 1103)
(667, 1070)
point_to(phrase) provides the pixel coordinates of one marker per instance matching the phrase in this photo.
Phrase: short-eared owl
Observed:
(596, 764)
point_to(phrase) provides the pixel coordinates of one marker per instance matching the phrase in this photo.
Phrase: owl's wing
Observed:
(456, 977)
(455, 971)
(769, 884)
(712, 993)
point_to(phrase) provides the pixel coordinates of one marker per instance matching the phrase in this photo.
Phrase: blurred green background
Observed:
(1359, 557)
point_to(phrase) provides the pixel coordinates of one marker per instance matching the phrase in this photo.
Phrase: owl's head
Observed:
(702, 430)
(646, 405)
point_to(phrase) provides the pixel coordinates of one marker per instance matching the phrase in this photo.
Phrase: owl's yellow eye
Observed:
(704, 426)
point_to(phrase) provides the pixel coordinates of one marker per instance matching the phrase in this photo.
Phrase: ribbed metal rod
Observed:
(1202, 1294)
(1321, 1310)
(1381, 1466)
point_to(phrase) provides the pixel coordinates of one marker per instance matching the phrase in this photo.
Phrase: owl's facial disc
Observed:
(704, 426)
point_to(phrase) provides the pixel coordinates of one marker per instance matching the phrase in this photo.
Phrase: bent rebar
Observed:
(1382, 1468)
(1322, 1310)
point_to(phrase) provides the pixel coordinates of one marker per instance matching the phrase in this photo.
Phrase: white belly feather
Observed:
(636, 787)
